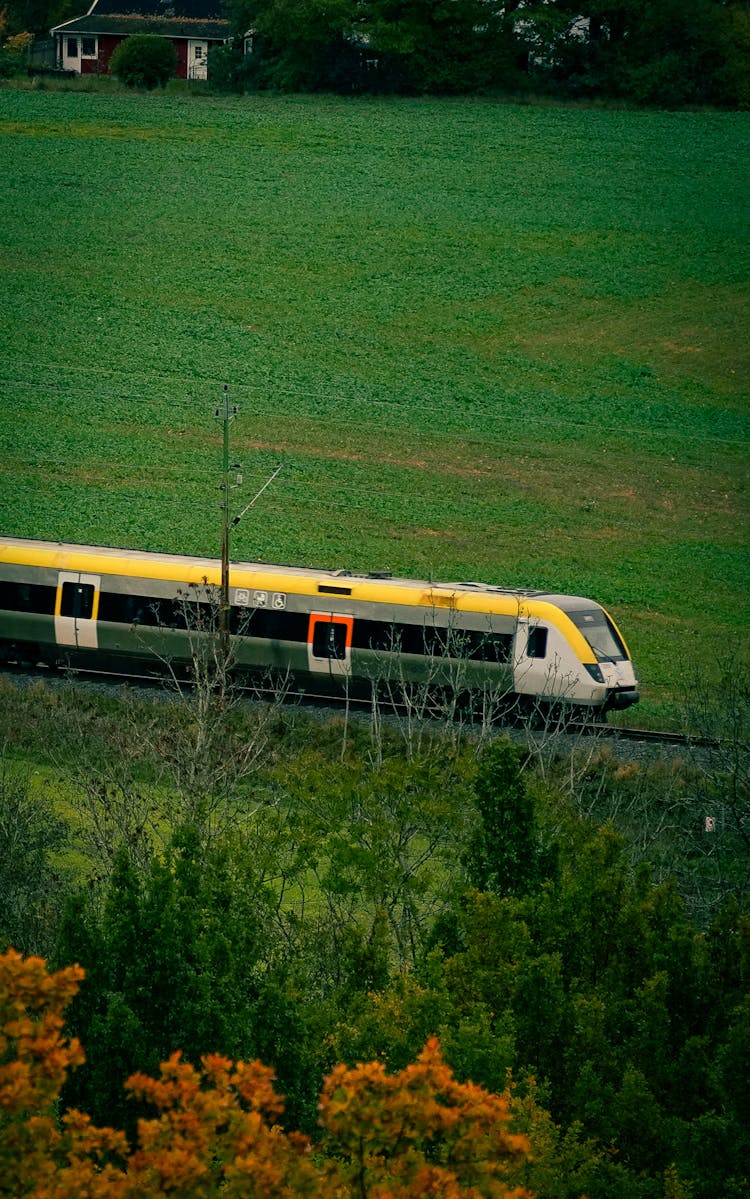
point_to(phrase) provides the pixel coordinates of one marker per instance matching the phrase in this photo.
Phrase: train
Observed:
(333, 632)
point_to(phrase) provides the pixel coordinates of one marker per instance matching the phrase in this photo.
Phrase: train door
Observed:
(531, 666)
(76, 608)
(329, 644)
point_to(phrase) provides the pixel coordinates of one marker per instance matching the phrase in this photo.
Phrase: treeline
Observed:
(230, 889)
(663, 52)
(656, 52)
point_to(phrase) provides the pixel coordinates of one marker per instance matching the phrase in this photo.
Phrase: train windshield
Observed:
(601, 635)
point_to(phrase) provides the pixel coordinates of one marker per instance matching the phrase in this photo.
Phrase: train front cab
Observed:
(613, 664)
(588, 665)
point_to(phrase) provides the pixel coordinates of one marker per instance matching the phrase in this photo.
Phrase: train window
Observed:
(431, 641)
(77, 600)
(601, 635)
(185, 613)
(275, 626)
(127, 609)
(374, 634)
(537, 643)
(488, 647)
(388, 636)
(27, 597)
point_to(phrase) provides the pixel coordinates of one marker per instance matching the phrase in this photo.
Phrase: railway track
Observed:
(153, 686)
(653, 736)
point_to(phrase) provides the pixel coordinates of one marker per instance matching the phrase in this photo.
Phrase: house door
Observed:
(197, 62)
(329, 644)
(76, 608)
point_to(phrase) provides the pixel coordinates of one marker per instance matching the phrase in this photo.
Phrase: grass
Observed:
(488, 341)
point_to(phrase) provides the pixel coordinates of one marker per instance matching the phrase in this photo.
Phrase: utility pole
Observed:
(226, 414)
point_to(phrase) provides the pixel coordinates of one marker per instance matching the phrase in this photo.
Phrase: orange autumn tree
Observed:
(419, 1132)
(215, 1133)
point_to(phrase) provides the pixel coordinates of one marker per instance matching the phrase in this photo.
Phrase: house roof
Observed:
(174, 18)
(167, 26)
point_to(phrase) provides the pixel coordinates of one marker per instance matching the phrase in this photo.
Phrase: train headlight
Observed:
(595, 671)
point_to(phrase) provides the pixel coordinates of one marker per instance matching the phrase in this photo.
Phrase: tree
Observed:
(170, 959)
(144, 60)
(215, 1134)
(34, 1060)
(13, 52)
(734, 73)
(443, 46)
(662, 52)
(503, 855)
(30, 884)
(419, 1132)
(300, 45)
(36, 16)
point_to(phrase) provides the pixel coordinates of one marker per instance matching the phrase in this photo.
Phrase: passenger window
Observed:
(537, 643)
(27, 597)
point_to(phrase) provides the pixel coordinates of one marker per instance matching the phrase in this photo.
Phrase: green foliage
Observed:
(225, 69)
(659, 52)
(334, 924)
(144, 60)
(503, 855)
(37, 16)
(170, 958)
(13, 53)
(734, 31)
(598, 987)
(378, 843)
(662, 52)
(31, 882)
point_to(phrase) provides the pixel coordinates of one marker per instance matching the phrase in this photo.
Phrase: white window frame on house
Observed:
(74, 43)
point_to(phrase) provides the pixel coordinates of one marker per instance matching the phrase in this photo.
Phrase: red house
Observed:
(85, 44)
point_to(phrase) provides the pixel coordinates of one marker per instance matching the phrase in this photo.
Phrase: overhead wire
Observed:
(440, 427)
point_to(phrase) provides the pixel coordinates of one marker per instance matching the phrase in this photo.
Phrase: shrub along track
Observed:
(565, 734)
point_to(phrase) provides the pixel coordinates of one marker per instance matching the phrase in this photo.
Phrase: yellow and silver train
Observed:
(125, 612)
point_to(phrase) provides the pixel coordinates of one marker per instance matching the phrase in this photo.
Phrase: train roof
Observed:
(185, 568)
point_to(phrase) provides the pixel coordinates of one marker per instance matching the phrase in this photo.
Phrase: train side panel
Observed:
(125, 612)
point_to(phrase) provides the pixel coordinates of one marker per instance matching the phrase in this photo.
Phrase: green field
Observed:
(487, 341)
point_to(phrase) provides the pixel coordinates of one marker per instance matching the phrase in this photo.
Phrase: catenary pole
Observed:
(226, 414)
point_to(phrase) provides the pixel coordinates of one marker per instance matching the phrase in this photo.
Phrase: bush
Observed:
(225, 69)
(14, 55)
(144, 60)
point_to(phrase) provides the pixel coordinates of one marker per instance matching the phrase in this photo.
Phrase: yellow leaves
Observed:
(19, 43)
(35, 1056)
(417, 1134)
